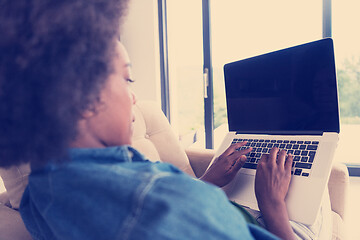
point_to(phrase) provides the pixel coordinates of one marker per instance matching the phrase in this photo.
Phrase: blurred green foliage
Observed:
(348, 75)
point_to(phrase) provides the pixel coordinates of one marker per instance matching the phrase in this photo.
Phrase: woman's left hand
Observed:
(225, 167)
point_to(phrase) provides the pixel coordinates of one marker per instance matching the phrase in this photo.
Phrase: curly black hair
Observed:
(54, 59)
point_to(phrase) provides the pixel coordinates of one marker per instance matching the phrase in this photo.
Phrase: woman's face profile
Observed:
(112, 122)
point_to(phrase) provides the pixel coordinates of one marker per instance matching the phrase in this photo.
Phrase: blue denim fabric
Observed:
(113, 193)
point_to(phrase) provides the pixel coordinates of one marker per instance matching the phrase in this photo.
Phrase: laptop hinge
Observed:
(282, 132)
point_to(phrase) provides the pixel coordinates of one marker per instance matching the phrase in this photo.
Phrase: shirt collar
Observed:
(119, 154)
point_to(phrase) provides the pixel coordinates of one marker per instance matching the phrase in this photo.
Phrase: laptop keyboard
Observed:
(303, 153)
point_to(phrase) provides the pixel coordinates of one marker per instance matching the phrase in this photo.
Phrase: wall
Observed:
(140, 35)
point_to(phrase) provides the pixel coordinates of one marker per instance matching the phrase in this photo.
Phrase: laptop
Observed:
(286, 99)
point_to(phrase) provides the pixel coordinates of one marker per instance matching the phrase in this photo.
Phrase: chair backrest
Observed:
(154, 137)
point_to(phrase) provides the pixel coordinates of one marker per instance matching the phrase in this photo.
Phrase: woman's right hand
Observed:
(272, 182)
(273, 176)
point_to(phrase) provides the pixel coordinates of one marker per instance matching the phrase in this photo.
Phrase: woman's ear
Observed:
(94, 109)
(88, 113)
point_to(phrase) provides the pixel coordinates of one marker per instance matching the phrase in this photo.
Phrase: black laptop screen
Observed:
(291, 90)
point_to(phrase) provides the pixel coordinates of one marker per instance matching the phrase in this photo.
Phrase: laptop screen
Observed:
(290, 91)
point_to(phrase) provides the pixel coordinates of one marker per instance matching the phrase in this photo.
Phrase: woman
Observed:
(66, 107)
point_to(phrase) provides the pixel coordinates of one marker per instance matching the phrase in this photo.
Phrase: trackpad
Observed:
(242, 190)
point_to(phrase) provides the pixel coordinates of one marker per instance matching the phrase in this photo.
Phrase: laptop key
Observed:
(304, 153)
(297, 172)
(311, 159)
(312, 147)
(315, 142)
(303, 165)
(312, 153)
(305, 174)
(304, 159)
(250, 165)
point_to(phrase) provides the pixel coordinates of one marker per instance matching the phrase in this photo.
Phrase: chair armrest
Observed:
(338, 188)
(199, 159)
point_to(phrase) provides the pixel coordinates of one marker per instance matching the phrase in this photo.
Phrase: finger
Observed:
(233, 147)
(281, 158)
(264, 158)
(234, 157)
(245, 151)
(273, 155)
(288, 163)
(237, 154)
(239, 163)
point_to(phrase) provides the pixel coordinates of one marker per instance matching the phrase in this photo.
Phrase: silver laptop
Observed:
(286, 99)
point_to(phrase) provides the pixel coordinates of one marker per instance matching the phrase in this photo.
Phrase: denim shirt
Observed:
(114, 193)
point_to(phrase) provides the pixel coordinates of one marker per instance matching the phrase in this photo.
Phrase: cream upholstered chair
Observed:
(153, 136)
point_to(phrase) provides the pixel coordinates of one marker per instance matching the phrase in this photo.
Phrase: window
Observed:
(185, 53)
(347, 53)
